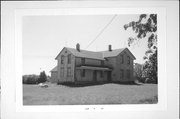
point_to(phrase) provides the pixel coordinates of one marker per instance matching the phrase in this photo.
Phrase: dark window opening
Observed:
(101, 74)
(83, 61)
(69, 71)
(128, 60)
(62, 72)
(122, 59)
(62, 59)
(102, 63)
(128, 74)
(83, 73)
(69, 59)
(121, 73)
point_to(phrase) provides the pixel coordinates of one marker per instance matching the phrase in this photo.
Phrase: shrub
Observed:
(34, 79)
(42, 77)
(30, 79)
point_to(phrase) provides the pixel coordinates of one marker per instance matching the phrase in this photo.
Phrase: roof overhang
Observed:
(94, 68)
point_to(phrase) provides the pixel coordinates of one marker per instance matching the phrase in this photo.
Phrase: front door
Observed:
(94, 75)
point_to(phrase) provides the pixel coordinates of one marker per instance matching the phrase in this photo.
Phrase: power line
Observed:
(102, 30)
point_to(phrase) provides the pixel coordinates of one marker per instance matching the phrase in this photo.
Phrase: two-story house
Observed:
(76, 65)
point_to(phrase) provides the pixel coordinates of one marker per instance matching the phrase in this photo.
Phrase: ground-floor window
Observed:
(83, 72)
(121, 73)
(128, 74)
(68, 71)
(101, 74)
(62, 72)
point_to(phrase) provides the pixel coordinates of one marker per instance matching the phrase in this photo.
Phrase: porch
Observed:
(93, 74)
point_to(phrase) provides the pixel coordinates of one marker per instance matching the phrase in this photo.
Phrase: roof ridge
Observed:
(80, 49)
(97, 51)
(112, 50)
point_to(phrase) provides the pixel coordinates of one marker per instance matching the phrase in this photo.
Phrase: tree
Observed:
(30, 79)
(42, 77)
(138, 69)
(146, 27)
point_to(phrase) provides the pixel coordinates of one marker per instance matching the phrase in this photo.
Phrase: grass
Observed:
(110, 93)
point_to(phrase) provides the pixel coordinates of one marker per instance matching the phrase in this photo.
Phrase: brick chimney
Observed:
(78, 47)
(110, 48)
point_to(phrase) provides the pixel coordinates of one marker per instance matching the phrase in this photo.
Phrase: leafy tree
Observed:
(138, 71)
(146, 27)
(42, 77)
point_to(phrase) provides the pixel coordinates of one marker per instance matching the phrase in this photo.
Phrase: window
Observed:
(83, 73)
(121, 73)
(69, 59)
(122, 59)
(101, 74)
(102, 63)
(62, 72)
(62, 59)
(83, 61)
(128, 74)
(68, 71)
(128, 60)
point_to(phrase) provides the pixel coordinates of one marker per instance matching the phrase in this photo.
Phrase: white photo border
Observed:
(162, 78)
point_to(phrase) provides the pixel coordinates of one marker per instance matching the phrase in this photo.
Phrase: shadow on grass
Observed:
(84, 84)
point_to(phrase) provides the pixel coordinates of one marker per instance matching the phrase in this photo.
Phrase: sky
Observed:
(45, 36)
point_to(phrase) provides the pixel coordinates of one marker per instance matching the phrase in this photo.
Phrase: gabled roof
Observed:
(112, 53)
(54, 69)
(96, 55)
(85, 54)
(115, 52)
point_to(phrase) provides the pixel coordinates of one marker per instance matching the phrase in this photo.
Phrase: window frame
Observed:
(102, 63)
(62, 59)
(62, 72)
(83, 61)
(69, 58)
(102, 74)
(128, 74)
(69, 72)
(122, 58)
(128, 60)
(121, 74)
(83, 73)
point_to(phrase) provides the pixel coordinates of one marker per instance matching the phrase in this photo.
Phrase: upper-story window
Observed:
(69, 59)
(62, 59)
(122, 59)
(83, 61)
(128, 60)
(102, 63)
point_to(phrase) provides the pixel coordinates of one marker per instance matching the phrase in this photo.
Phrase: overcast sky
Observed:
(45, 36)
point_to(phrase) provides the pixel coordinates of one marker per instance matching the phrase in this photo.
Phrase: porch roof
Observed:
(94, 68)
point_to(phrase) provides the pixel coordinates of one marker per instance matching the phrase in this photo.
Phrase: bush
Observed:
(42, 77)
(34, 79)
(30, 79)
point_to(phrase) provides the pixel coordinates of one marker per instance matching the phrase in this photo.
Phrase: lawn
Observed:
(98, 94)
